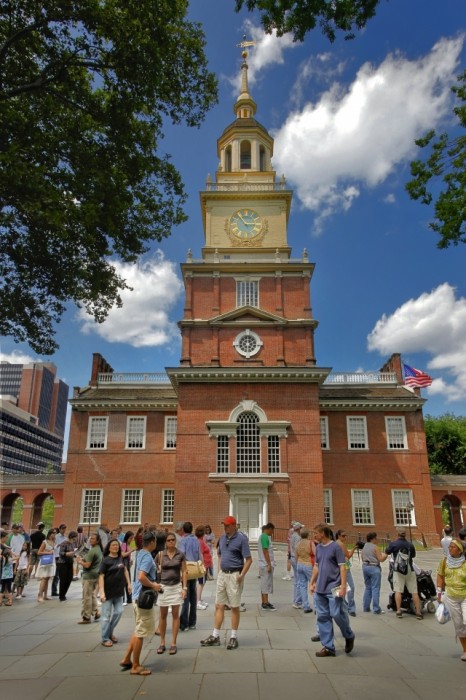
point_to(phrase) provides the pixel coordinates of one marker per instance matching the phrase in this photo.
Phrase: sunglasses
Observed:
(170, 539)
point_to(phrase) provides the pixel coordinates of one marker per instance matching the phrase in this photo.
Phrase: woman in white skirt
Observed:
(45, 570)
(171, 567)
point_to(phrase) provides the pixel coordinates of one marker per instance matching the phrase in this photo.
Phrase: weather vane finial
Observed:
(244, 44)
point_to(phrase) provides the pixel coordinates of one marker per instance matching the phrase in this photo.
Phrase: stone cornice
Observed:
(371, 404)
(258, 375)
(131, 404)
(252, 322)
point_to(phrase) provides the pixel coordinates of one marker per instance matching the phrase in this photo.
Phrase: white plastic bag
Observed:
(442, 614)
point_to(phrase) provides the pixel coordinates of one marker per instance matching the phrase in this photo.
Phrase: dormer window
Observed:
(245, 155)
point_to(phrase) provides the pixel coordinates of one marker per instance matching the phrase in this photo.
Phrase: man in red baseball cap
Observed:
(234, 559)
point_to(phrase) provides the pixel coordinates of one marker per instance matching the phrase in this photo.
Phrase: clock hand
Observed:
(246, 223)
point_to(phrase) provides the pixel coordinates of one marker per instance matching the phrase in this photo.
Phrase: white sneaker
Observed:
(297, 607)
(204, 603)
(125, 603)
(286, 578)
(200, 606)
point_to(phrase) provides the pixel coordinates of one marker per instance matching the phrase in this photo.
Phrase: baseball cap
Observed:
(229, 520)
(401, 530)
(297, 525)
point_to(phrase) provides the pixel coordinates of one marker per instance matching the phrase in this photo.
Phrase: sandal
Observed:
(114, 640)
(125, 667)
(172, 651)
(108, 643)
(399, 614)
(161, 649)
(141, 671)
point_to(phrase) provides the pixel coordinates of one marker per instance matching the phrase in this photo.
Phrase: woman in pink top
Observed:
(207, 559)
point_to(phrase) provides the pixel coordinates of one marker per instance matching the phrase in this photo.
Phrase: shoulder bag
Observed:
(195, 569)
(147, 597)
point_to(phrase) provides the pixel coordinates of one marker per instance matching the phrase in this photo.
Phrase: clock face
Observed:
(245, 224)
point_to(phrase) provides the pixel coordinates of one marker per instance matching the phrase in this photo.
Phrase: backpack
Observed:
(401, 563)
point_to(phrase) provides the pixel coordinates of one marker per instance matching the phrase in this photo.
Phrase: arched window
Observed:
(245, 155)
(262, 159)
(228, 159)
(248, 453)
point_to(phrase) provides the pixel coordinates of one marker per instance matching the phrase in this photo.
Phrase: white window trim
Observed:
(405, 436)
(413, 512)
(122, 512)
(324, 429)
(165, 432)
(128, 421)
(330, 506)
(83, 520)
(348, 432)
(240, 336)
(89, 431)
(371, 507)
(162, 505)
(279, 453)
(248, 279)
(219, 469)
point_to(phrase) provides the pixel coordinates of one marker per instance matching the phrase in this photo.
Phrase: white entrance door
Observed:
(249, 509)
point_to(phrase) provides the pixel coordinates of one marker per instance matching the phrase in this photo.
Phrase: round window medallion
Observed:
(247, 343)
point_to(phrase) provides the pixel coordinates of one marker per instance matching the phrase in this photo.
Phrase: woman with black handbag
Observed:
(171, 572)
(144, 583)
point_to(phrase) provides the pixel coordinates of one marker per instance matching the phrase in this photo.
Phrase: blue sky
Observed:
(344, 117)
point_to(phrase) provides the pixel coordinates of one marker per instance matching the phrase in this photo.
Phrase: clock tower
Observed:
(248, 382)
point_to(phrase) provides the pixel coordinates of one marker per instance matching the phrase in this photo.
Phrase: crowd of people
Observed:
(115, 567)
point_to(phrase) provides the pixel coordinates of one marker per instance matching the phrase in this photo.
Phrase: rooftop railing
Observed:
(245, 186)
(361, 378)
(349, 378)
(133, 378)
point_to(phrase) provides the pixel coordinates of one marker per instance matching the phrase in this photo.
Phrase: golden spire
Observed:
(245, 100)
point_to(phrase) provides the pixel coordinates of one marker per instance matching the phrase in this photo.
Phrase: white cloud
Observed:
(356, 135)
(390, 199)
(143, 319)
(17, 358)
(435, 323)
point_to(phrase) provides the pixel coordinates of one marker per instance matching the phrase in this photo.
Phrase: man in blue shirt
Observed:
(234, 560)
(328, 583)
(144, 575)
(189, 545)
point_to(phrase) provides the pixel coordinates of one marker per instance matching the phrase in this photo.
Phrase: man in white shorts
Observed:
(266, 565)
(409, 579)
(234, 561)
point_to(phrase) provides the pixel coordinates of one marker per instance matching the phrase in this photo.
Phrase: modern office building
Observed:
(32, 418)
(249, 423)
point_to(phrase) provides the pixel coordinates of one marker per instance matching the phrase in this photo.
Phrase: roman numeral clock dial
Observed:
(245, 226)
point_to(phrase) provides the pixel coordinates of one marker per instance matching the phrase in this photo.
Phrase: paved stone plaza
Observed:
(45, 654)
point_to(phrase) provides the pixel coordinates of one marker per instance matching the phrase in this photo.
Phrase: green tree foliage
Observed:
(86, 90)
(446, 444)
(301, 16)
(445, 170)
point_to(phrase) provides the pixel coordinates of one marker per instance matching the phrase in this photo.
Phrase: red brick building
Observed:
(248, 423)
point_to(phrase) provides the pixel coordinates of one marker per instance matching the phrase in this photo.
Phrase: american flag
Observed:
(415, 377)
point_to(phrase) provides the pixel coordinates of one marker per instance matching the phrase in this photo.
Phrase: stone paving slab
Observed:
(44, 654)
(295, 685)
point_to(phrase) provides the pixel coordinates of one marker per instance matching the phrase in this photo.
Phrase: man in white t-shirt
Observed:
(16, 539)
(446, 539)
